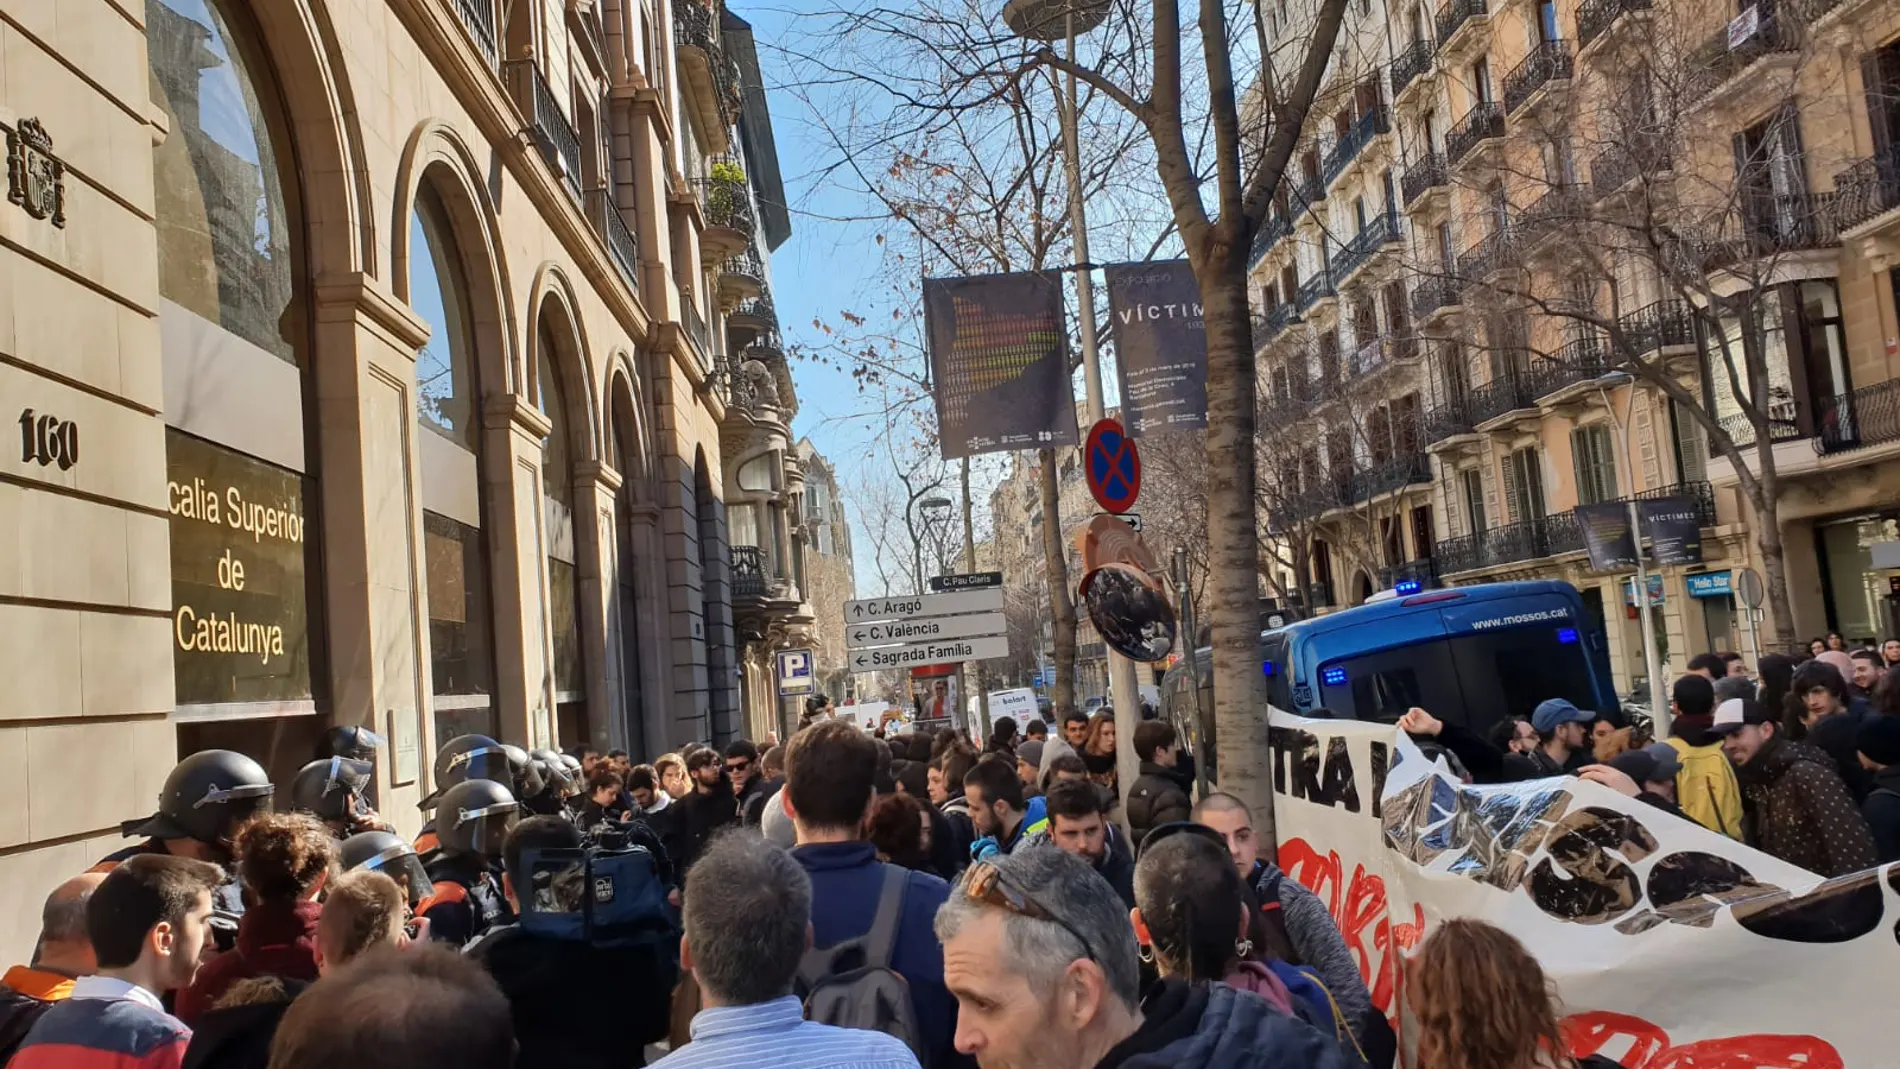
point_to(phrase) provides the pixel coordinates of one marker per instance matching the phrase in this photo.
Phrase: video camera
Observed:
(608, 894)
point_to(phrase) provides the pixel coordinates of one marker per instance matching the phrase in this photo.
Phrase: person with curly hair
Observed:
(1482, 1002)
(900, 829)
(283, 860)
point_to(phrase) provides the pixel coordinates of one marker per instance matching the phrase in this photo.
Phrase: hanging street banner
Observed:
(1624, 905)
(1673, 526)
(926, 628)
(1607, 536)
(905, 606)
(999, 356)
(949, 652)
(1160, 344)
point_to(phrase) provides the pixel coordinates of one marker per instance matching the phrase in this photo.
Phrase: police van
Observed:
(1471, 655)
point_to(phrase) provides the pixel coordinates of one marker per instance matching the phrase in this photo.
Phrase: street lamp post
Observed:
(1045, 20)
(1652, 659)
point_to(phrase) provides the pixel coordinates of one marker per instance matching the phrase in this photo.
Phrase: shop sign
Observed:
(240, 610)
(1708, 585)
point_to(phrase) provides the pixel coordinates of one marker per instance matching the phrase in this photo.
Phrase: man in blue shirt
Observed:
(830, 777)
(747, 927)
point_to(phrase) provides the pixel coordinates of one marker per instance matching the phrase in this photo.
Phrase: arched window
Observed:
(457, 588)
(557, 488)
(247, 636)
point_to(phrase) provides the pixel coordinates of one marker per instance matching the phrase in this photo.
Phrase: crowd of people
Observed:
(858, 899)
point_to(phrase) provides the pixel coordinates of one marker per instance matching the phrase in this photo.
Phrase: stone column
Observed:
(595, 485)
(524, 684)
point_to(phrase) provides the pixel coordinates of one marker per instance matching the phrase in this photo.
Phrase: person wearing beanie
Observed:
(1878, 742)
(1734, 687)
(1029, 765)
(1706, 786)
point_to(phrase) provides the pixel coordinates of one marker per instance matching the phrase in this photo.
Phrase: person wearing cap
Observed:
(1878, 743)
(1794, 803)
(1562, 744)
(1647, 775)
(1706, 787)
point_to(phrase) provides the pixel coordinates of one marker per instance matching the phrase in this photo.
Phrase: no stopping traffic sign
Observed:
(1112, 466)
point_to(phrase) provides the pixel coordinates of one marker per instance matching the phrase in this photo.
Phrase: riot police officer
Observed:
(206, 798)
(556, 784)
(354, 742)
(336, 791)
(472, 821)
(385, 852)
(463, 758)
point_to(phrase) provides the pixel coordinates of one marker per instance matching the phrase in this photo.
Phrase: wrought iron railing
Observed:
(1506, 394)
(1358, 136)
(552, 132)
(622, 245)
(1422, 176)
(1411, 63)
(1640, 153)
(1769, 224)
(1423, 570)
(1434, 293)
(1308, 194)
(1663, 324)
(1595, 17)
(1869, 188)
(745, 265)
(1389, 476)
(478, 18)
(1448, 420)
(1268, 326)
(1380, 230)
(727, 203)
(1461, 554)
(1580, 361)
(1483, 122)
(1700, 492)
(1728, 52)
(1487, 255)
(1314, 290)
(1557, 208)
(696, 25)
(696, 323)
(758, 308)
(1783, 425)
(1453, 16)
(1548, 63)
(1272, 229)
(748, 573)
(1864, 417)
(1562, 534)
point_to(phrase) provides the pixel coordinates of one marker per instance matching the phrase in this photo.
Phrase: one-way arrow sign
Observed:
(900, 608)
(924, 629)
(884, 657)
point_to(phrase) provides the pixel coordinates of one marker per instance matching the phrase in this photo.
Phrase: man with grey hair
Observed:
(1040, 953)
(62, 955)
(748, 925)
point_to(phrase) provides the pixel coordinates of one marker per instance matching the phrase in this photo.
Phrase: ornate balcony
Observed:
(1455, 17)
(1596, 17)
(1461, 554)
(711, 76)
(1487, 256)
(1484, 122)
(621, 243)
(748, 574)
(1666, 324)
(742, 277)
(1449, 420)
(1557, 210)
(1358, 136)
(1421, 177)
(553, 134)
(1499, 396)
(1309, 194)
(1784, 425)
(1411, 64)
(1268, 327)
(1313, 291)
(1771, 224)
(1867, 190)
(757, 313)
(726, 202)
(1615, 169)
(1726, 56)
(1381, 230)
(1384, 478)
(1548, 66)
(1579, 362)
(1272, 229)
(1433, 294)
(1867, 416)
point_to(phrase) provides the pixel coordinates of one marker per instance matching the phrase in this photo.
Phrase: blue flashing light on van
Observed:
(1471, 655)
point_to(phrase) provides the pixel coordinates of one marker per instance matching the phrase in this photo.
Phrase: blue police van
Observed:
(1471, 655)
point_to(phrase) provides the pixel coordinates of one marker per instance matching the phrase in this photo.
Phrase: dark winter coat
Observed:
(954, 851)
(1796, 808)
(273, 939)
(238, 1033)
(26, 994)
(576, 1005)
(1834, 736)
(1213, 1026)
(1118, 866)
(1155, 799)
(703, 815)
(1882, 810)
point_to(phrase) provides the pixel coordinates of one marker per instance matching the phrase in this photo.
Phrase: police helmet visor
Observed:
(399, 862)
(491, 825)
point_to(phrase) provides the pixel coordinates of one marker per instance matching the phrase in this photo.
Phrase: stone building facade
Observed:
(376, 363)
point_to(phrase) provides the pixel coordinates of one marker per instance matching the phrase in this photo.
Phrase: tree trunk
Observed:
(1055, 564)
(1240, 700)
(1780, 633)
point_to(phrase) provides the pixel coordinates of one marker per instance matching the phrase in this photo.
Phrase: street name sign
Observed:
(905, 607)
(949, 584)
(924, 629)
(970, 649)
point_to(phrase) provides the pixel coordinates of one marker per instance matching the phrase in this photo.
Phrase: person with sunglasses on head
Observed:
(1041, 955)
(830, 787)
(709, 807)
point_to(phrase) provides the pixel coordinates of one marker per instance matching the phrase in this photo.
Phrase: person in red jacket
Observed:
(148, 923)
(282, 860)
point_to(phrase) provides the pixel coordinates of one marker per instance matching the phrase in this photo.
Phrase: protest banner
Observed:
(1670, 946)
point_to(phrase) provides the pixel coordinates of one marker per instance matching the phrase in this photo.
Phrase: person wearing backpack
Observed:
(830, 784)
(1878, 742)
(582, 996)
(1706, 787)
(747, 937)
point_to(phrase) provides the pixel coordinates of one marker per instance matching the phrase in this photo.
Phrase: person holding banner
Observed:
(1482, 1002)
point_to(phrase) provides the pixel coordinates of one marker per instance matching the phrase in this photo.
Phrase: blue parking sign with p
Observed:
(796, 674)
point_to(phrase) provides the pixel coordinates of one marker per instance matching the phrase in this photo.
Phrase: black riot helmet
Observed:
(354, 742)
(474, 817)
(523, 777)
(554, 771)
(206, 797)
(332, 788)
(380, 851)
(468, 757)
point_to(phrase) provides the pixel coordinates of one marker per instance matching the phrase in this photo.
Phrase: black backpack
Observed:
(851, 984)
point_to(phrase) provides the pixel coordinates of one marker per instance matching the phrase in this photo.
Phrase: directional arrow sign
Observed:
(901, 608)
(924, 629)
(969, 649)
